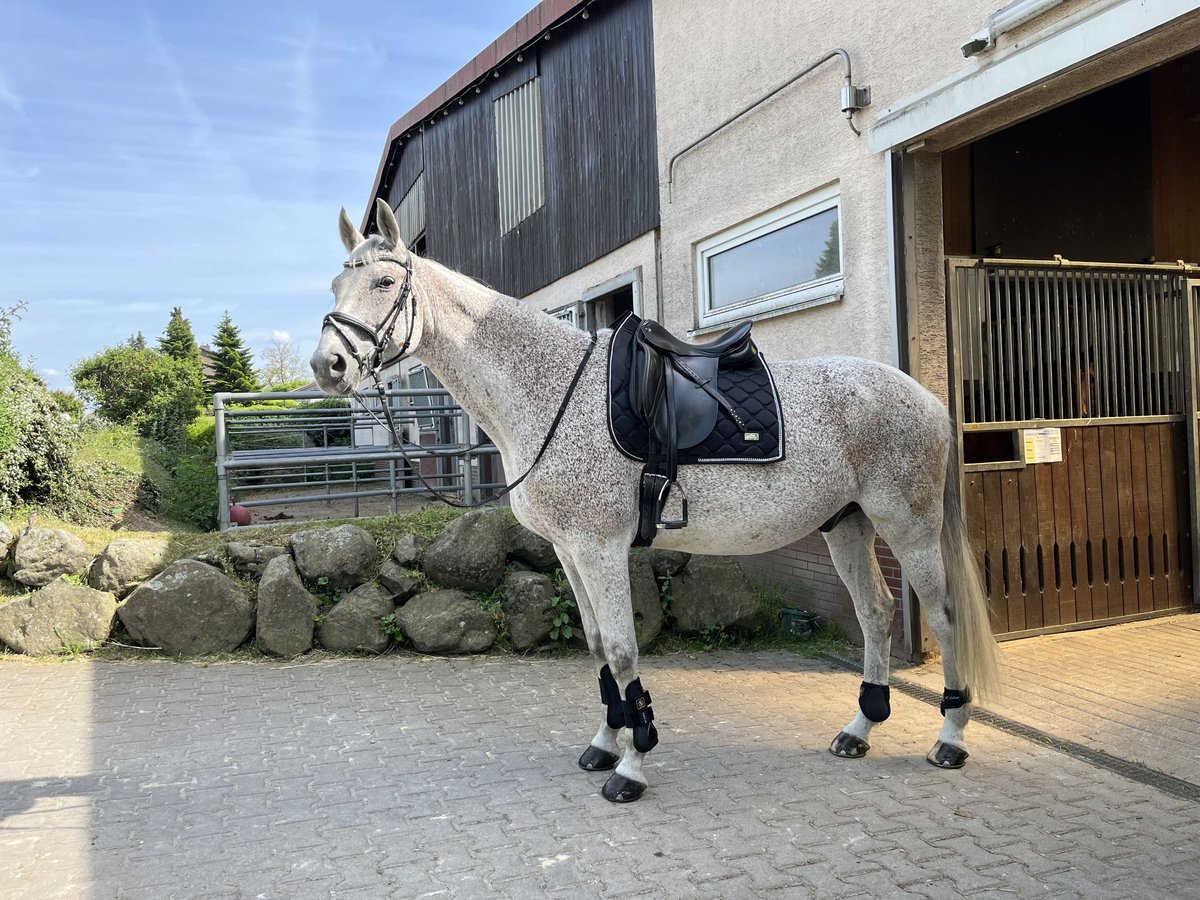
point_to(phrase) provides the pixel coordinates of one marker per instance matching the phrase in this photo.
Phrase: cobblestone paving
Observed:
(1129, 690)
(413, 777)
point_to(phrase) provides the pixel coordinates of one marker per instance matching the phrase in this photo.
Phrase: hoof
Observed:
(847, 746)
(947, 756)
(596, 760)
(619, 789)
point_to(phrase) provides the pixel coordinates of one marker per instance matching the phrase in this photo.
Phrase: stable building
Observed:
(1003, 202)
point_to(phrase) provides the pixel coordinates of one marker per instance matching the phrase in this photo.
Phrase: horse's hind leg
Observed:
(604, 751)
(852, 548)
(924, 563)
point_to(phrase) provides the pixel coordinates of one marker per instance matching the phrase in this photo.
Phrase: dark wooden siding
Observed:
(597, 78)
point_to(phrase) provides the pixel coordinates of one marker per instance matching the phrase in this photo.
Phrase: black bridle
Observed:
(381, 335)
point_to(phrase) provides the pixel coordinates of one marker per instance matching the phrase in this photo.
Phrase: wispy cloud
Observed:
(9, 97)
(50, 373)
(282, 336)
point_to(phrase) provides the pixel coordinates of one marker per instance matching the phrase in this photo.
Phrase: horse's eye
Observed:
(385, 282)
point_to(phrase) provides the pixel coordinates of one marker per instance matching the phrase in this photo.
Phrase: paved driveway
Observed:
(407, 777)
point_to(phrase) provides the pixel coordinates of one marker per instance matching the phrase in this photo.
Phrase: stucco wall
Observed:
(571, 288)
(708, 67)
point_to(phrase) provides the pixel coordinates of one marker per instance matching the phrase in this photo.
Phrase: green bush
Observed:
(37, 441)
(191, 495)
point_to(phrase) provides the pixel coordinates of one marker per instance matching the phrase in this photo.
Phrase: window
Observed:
(520, 177)
(787, 259)
(568, 314)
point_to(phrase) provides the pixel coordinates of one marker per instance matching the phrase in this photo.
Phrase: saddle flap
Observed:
(694, 410)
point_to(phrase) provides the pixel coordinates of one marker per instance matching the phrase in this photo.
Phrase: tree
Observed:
(178, 341)
(233, 366)
(830, 261)
(137, 341)
(282, 365)
(157, 394)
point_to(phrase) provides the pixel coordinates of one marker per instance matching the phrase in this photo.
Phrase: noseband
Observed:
(381, 335)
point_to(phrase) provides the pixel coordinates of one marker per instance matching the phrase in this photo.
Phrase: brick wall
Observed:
(805, 574)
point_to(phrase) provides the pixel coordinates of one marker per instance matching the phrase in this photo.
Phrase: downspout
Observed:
(1005, 19)
(853, 98)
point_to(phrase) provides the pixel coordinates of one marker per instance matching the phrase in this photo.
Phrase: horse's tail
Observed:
(974, 647)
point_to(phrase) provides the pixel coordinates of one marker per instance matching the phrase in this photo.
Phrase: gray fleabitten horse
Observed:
(857, 432)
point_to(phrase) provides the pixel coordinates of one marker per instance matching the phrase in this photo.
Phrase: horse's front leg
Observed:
(603, 570)
(605, 750)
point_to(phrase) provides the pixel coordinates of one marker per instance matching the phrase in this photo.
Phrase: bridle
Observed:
(381, 335)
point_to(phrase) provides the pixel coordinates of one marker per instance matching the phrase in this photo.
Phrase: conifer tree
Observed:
(233, 365)
(178, 341)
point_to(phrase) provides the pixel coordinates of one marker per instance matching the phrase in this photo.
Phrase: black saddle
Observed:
(673, 390)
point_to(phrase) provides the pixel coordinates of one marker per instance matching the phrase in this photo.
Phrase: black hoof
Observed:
(847, 746)
(619, 789)
(947, 756)
(596, 760)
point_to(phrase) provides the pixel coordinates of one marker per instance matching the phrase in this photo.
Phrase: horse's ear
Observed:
(351, 236)
(385, 219)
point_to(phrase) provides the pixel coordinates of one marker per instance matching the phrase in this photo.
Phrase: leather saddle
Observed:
(673, 390)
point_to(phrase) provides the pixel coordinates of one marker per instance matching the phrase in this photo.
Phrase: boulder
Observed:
(356, 622)
(345, 556)
(667, 563)
(212, 558)
(59, 616)
(470, 552)
(43, 554)
(646, 597)
(188, 608)
(286, 611)
(527, 608)
(531, 549)
(402, 583)
(410, 550)
(249, 560)
(713, 592)
(446, 622)
(6, 539)
(126, 563)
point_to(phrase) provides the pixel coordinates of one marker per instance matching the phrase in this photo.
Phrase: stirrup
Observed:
(663, 491)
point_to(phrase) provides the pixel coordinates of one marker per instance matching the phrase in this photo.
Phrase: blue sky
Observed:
(166, 154)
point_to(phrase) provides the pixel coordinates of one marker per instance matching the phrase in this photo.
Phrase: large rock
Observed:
(446, 622)
(402, 583)
(410, 550)
(646, 597)
(470, 552)
(713, 592)
(43, 554)
(668, 563)
(286, 611)
(527, 608)
(250, 560)
(188, 608)
(6, 539)
(60, 616)
(355, 623)
(126, 563)
(531, 549)
(345, 556)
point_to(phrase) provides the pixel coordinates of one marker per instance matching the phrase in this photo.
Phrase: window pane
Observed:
(795, 254)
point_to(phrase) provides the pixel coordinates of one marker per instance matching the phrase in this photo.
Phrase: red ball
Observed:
(238, 514)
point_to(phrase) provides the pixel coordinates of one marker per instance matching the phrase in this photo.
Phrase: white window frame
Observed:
(795, 297)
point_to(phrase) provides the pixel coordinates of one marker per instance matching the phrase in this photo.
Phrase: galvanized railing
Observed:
(317, 453)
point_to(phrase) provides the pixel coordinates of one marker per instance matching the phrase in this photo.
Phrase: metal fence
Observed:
(296, 447)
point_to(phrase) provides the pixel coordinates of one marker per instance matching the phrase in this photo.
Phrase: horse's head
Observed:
(374, 319)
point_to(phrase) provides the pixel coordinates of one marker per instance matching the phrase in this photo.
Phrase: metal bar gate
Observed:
(1074, 386)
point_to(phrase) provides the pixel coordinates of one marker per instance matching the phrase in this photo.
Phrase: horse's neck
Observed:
(508, 366)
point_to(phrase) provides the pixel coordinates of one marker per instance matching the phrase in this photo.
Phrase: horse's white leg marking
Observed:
(852, 548)
(606, 737)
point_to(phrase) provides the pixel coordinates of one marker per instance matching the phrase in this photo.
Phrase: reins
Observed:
(381, 336)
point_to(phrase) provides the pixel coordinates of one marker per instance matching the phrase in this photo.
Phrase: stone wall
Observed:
(484, 579)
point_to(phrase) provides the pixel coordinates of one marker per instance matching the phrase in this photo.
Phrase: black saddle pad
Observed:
(750, 388)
